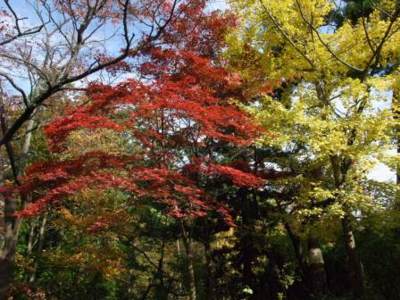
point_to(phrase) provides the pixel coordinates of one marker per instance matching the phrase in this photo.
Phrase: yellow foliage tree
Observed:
(334, 98)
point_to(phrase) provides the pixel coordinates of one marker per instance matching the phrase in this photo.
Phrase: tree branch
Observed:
(327, 47)
(20, 33)
(286, 36)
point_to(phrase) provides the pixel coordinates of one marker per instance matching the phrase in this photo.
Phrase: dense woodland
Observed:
(194, 149)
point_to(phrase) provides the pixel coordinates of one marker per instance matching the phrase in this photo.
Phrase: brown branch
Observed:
(64, 80)
(9, 149)
(327, 47)
(15, 86)
(377, 53)
(286, 36)
(367, 35)
(20, 33)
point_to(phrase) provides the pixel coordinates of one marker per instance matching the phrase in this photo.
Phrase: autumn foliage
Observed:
(176, 115)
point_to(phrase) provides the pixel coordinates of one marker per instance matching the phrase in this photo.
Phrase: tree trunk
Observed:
(298, 251)
(31, 236)
(40, 245)
(187, 242)
(209, 272)
(272, 287)
(10, 223)
(192, 277)
(396, 113)
(398, 167)
(6, 271)
(316, 268)
(356, 277)
(7, 254)
(355, 269)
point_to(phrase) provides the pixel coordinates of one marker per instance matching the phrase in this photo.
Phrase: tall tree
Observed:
(334, 78)
(172, 120)
(70, 41)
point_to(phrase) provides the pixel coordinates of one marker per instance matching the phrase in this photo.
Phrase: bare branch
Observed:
(15, 86)
(20, 33)
(61, 75)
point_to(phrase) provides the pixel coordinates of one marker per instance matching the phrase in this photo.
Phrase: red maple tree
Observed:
(177, 114)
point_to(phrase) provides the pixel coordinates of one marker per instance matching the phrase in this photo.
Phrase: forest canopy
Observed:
(198, 149)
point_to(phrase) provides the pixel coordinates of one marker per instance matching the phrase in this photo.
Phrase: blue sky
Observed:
(23, 8)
